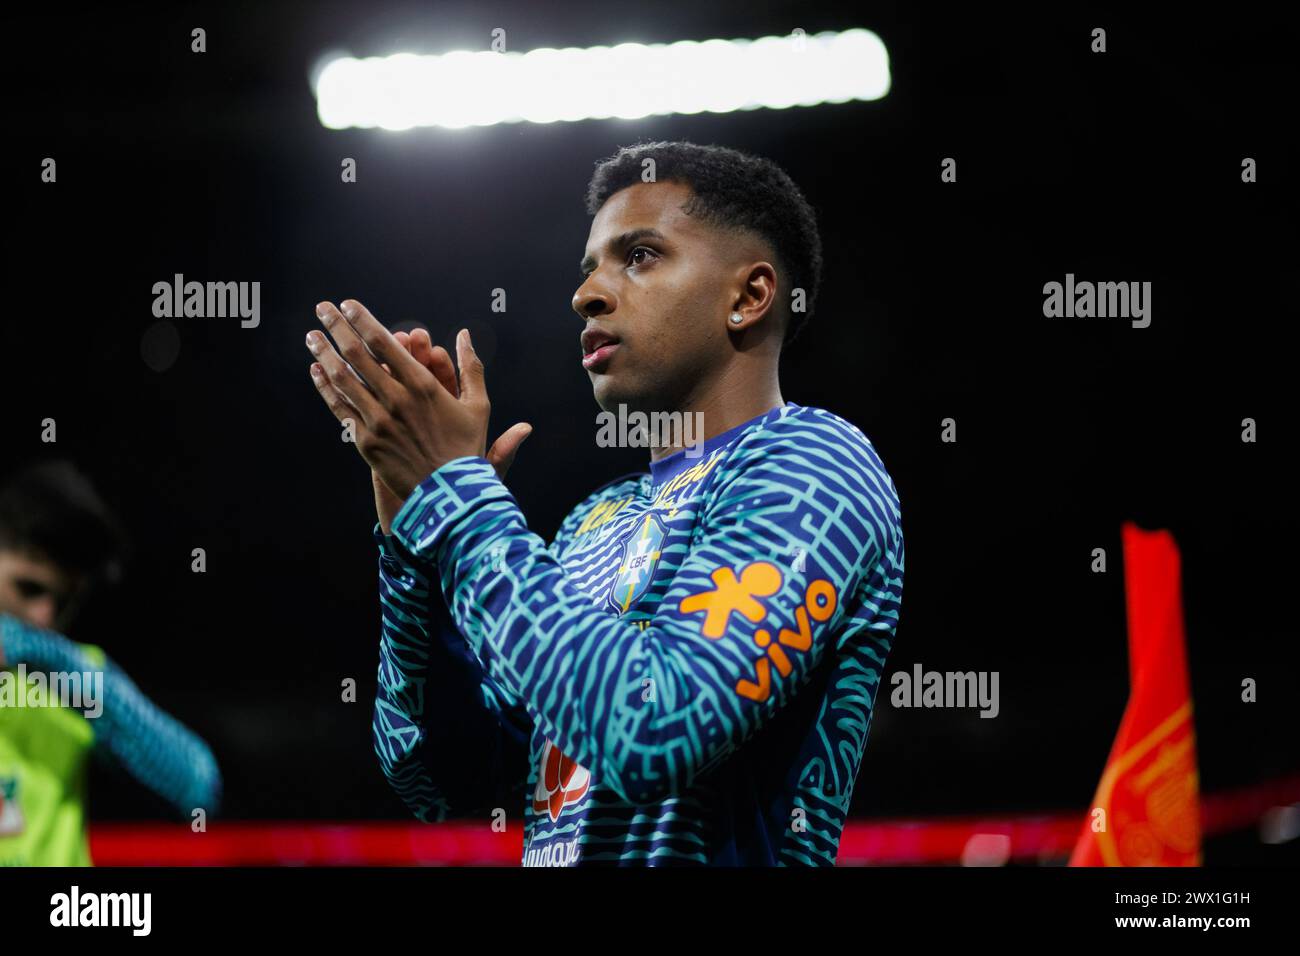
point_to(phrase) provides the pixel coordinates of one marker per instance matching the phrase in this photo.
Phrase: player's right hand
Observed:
(438, 361)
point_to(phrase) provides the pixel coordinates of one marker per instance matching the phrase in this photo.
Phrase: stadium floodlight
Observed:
(463, 88)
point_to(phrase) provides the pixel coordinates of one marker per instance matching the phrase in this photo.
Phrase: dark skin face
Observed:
(667, 295)
(662, 300)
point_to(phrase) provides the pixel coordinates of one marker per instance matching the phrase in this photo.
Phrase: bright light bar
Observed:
(628, 81)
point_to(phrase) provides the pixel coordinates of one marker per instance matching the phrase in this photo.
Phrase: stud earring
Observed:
(737, 318)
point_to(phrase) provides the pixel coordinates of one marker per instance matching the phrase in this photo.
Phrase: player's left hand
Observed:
(411, 424)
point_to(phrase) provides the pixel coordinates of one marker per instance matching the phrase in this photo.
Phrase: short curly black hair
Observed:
(732, 190)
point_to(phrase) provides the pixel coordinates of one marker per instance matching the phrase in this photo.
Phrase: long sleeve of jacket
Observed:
(449, 740)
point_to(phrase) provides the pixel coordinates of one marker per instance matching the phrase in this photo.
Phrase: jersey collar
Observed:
(668, 468)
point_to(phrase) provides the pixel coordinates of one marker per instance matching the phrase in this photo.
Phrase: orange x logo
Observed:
(758, 580)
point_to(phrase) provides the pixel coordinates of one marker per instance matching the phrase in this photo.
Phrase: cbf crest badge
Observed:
(636, 569)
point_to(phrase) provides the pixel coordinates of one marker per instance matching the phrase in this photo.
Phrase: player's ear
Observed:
(761, 286)
(755, 299)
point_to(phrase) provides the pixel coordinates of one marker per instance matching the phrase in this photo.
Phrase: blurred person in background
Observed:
(59, 543)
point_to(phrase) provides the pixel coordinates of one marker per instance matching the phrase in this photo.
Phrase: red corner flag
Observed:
(1148, 792)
